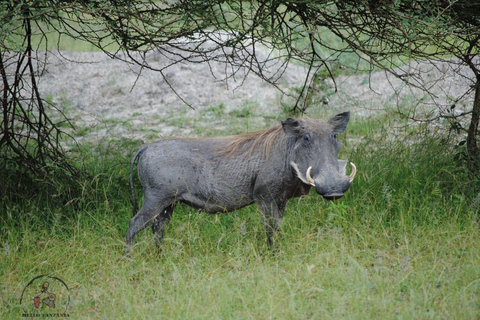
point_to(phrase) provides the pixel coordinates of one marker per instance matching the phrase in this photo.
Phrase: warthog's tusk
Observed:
(309, 177)
(300, 176)
(354, 172)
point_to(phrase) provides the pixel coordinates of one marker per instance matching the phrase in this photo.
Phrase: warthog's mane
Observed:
(246, 144)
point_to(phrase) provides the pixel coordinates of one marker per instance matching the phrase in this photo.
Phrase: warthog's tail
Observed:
(135, 157)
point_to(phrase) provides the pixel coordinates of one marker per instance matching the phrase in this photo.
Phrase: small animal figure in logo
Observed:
(36, 302)
(49, 299)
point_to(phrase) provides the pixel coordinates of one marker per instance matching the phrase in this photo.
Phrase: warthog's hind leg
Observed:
(161, 222)
(152, 207)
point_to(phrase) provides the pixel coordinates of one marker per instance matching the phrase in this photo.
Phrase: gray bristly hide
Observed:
(223, 174)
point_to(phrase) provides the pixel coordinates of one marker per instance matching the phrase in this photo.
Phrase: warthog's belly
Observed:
(217, 203)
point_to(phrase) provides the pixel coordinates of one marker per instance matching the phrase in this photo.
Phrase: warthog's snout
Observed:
(332, 191)
(333, 196)
(332, 185)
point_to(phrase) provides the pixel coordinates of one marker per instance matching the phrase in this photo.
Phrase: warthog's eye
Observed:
(306, 138)
(335, 141)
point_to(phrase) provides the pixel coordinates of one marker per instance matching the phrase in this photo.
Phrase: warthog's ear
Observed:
(291, 126)
(340, 121)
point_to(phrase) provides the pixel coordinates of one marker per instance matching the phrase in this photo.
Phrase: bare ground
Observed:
(106, 98)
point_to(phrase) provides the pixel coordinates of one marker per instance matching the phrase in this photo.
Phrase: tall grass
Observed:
(402, 243)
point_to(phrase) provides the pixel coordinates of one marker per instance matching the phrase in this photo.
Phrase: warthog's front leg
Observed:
(272, 217)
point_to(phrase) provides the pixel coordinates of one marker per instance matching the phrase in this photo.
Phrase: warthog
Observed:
(223, 174)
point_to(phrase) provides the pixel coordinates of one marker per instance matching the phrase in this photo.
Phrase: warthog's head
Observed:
(313, 149)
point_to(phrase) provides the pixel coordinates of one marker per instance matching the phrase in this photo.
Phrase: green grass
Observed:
(402, 244)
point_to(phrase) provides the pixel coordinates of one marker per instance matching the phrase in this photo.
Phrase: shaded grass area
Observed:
(402, 243)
